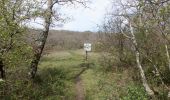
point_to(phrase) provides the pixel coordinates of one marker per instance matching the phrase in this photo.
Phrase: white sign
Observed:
(87, 46)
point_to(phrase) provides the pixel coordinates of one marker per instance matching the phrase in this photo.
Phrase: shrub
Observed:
(107, 62)
(135, 93)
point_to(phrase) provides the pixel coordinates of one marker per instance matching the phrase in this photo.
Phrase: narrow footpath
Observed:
(79, 89)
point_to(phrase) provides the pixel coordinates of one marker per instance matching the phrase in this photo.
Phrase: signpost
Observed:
(87, 48)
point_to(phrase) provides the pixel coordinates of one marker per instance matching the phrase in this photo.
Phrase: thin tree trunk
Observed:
(137, 54)
(42, 40)
(121, 47)
(167, 55)
(157, 72)
(2, 69)
(145, 84)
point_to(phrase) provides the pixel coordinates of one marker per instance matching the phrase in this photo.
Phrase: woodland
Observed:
(130, 57)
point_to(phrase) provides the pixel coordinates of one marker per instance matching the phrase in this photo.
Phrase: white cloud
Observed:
(84, 19)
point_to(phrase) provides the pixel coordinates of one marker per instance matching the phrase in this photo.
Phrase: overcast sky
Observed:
(83, 19)
(86, 18)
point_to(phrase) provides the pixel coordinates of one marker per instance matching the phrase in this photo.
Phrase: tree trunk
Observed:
(145, 84)
(42, 40)
(2, 69)
(137, 54)
(121, 47)
(167, 55)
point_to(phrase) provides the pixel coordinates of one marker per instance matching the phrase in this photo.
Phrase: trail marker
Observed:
(87, 48)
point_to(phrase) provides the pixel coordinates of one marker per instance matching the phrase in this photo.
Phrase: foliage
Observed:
(55, 79)
(145, 36)
(13, 49)
(51, 83)
(107, 62)
(135, 93)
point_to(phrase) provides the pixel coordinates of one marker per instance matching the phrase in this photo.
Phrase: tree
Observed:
(12, 14)
(49, 12)
(9, 28)
(131, 23)
(146, 24)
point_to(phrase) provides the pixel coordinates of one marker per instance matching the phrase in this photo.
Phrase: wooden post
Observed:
(86, 55)
(87, 48)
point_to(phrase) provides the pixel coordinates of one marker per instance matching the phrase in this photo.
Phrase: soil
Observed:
(79, 89)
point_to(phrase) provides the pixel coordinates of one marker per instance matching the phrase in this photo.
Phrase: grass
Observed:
(105, 85)
(55, 79)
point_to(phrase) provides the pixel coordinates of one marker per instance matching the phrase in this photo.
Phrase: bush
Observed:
(166, 75)
(50, 83)
(135, 93)
(107, 62)
(2, 84)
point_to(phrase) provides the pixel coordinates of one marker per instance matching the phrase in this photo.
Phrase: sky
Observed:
(86, 19)
(81, 18)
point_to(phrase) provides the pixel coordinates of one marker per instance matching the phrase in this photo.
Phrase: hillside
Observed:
(63, 39)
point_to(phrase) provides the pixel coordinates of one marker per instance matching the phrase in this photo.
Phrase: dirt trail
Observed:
(80, 94)
(79, 89)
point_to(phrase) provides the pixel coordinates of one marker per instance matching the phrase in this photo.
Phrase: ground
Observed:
(66, 75)
(70, 77)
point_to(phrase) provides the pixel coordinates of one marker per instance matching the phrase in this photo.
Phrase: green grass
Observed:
(98, 84)
(56, 74)
(102, 85)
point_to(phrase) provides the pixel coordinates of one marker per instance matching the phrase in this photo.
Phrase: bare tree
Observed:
(137, 54)
(129, 19)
